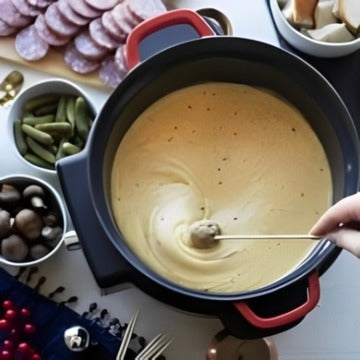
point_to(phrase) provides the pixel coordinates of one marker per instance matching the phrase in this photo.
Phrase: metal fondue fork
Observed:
(259, 237)
(154, 348)
(126, 338)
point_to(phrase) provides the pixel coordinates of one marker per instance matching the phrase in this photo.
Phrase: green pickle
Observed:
(52, 126)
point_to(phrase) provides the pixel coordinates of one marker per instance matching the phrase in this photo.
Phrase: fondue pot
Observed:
(85, 177)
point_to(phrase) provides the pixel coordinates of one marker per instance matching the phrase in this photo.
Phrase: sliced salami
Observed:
(29, 45)
(108, 72)
(142, 10)
(57, 23)
(119, 15)
(25, 9)
(70, 15)
(88, 48)
(47, 34)
(110, 25)
(11, 16)
(6, 29)
(83, 9)
(103, 4)
(42, 4)
(77, 62)
(102, 37)
(120, 60)
(129, 17)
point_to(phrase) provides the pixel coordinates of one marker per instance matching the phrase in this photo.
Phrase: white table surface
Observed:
(329, 332)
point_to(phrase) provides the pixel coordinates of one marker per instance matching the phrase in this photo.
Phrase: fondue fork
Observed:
(154, 348)
(260, 237)
(126, 338)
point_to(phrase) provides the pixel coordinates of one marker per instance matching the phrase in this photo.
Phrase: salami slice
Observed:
(10, 15)
(70, 15)
(42, 4)
(25, 8)
(57, 23)
(129, 17)
(83, 9)
(120, 60)
(102, 37)
(29, 45)
(108, 72)
(145, 9)
(88, 48)
(119, 15)
(77, 62)
(47, 34)
(110, 25)
(6, 29)
(103, 4)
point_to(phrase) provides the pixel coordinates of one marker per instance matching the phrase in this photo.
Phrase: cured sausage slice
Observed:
(29, 45)
(10, 15)
(47, 34)
(77, 62)
(119, 15)
(25, 9)
(102, 37)
(129, 17)
(88, 48)
(108, 73)
(120, 60)
(57, 23)
(70, 15)
(110, 25)
(103, 4)
(6, 29)
(145, 9)
(83, 9)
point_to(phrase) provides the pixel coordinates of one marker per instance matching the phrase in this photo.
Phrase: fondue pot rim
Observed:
(217, 47)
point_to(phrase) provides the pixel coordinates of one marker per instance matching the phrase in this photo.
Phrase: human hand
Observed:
(341, 224)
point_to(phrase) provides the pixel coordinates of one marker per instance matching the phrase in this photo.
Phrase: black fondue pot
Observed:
(85, 177)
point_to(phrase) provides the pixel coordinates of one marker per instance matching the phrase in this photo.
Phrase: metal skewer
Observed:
(259, 237)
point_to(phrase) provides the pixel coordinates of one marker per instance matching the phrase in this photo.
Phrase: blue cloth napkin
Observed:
(51, 319)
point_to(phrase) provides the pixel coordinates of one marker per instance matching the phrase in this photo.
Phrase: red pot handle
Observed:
(169, 18)
(288, 317)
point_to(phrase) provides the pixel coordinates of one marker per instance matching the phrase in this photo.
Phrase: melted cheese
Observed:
(231, 153)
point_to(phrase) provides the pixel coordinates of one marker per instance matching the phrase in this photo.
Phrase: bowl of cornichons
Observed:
(48, 121)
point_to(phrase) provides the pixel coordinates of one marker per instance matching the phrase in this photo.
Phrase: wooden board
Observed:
(53, 63)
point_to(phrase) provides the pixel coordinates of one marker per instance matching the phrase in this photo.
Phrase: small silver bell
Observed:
(77, 338)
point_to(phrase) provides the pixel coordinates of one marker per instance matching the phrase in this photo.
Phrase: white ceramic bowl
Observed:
(56, 205)
(306, 44)
(60, 86)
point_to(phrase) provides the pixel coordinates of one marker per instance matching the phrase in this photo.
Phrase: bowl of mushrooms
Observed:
(32, 220)
(322, 28)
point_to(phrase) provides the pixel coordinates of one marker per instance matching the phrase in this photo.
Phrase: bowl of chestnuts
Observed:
(32, 220)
